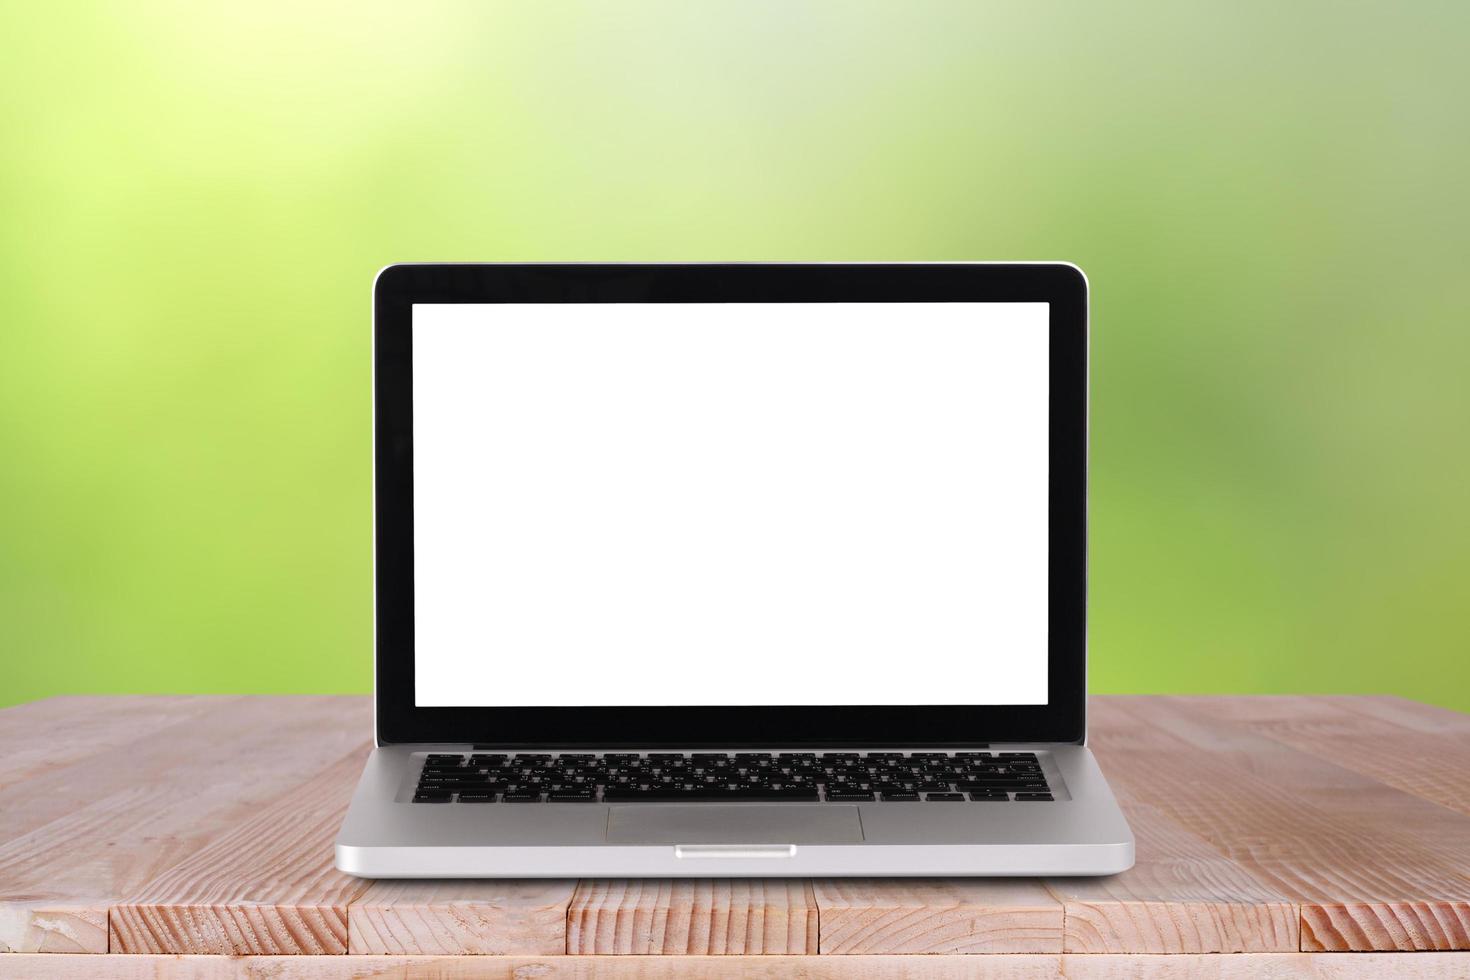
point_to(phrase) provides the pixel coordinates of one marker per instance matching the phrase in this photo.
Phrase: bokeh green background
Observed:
(1270, 200)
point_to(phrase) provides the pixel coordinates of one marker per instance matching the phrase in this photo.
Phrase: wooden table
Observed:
(1287, 830)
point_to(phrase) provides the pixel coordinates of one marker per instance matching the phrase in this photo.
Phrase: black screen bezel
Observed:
(1061, 719)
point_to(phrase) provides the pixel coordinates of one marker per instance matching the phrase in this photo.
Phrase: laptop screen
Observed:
(730, 504)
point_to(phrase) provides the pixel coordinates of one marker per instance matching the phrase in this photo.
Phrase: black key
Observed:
(477, 797)
(522, 797)
(926, 786)
(990, 795)
(844, 795)
(571, 797)
(1046, 797)
(945, 797)
(430, 797)
(445, 757)
(901, 797)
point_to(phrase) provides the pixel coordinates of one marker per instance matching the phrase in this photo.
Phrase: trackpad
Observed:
(746, 823)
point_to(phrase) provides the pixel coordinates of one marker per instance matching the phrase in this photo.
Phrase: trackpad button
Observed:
(747, 823)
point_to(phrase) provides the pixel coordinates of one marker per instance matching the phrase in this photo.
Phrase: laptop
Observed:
(731, 570)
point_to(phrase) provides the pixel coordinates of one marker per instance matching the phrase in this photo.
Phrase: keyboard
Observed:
(807, 777)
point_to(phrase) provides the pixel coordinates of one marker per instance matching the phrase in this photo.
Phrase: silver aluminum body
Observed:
(1081, 832)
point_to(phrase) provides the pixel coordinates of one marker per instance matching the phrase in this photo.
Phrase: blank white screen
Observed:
(725, 504)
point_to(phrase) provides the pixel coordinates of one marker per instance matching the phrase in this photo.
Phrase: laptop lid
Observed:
(733, 505)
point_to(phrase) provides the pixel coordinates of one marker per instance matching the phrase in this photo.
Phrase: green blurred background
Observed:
(1270, 200)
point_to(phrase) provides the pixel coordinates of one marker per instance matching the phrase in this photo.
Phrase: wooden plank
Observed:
(1013, 966)
(936, 915)
(778, 967)
(52, 926)
(265, 885)
(1182, 896)
(1415, 748)
(80, 837)
(1276, 966)
(56, 732)
(1371, 867)
(716, 917)
(449, 917)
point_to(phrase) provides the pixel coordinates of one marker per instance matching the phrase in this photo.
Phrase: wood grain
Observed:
(447, 917)
(1378, 740)
(84, 835)
(936, 915)
(717, 917)
(1182, 896)
(56, 732)
(1012, 966)
(267, 885)
(1371, 867)
(1412, 715)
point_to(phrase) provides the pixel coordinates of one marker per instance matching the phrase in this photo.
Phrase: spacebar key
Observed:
(796, 793)
(703, 795)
